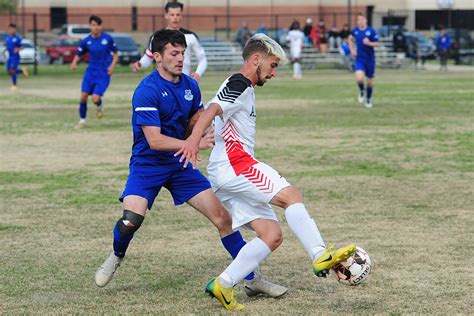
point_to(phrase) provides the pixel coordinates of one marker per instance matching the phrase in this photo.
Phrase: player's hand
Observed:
(189, 153)
(366, 41)
(17, 49)
(196, 76)
(136, 66)
(73, 66)
(207, 140)
(110, 70)
(353, 53)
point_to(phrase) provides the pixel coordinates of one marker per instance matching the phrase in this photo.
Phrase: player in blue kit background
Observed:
(101, 47)
(13, 46)
(366, 38)
(166, 105)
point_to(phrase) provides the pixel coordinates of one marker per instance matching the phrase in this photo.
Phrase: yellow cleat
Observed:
(100, 112)
(330, 258)
(225, 296)
(26, 73)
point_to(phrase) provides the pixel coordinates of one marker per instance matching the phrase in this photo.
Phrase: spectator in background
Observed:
(296, 39)
(414, 51)
(307, 32)
(345, 32)
(334, 39)
(345, 51)
(319, 36)
(443, 42)
(243, 34)
(262, 29)
(399, 41)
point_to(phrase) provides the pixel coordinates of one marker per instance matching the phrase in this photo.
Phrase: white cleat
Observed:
(360, 97)
(368, 105)
(106, 271)
(260, 286)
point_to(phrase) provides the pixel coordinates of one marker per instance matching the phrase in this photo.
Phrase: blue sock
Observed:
(82, 110)
(19, 71)
(361, 87)
(121, 242)
(99, 103)
(233, 243)
(14, 79)
(369, 93)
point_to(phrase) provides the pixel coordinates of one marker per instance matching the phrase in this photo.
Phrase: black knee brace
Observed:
(129, 223)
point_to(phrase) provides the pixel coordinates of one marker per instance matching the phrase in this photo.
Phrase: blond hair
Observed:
(263, 44)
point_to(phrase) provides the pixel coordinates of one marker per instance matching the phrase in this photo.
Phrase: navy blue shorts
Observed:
(367, 67)
(183, 184)
(12, 62)
(95, 82)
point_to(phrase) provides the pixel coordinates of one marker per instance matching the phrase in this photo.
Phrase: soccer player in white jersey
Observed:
(246, 186)
(173, 16)
(296, 39)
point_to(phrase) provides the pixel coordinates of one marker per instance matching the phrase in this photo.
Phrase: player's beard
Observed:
(260, 82)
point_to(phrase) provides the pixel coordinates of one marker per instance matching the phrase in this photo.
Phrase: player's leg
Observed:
(99, 90)
(306, 230)
(83, 108)
(370, 73)
(11, 69)
(360, 75)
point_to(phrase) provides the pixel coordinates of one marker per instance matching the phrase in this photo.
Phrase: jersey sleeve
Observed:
(374, 36)
(112, 45)
(145, 108)
(229, 98)
(82, 49)
(198, 51)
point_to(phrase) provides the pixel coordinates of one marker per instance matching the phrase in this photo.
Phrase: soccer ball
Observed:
(355, 270)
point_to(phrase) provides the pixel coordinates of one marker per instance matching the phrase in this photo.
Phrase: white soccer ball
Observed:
(355, 270)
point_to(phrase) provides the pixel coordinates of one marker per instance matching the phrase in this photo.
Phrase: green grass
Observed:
(397, 180)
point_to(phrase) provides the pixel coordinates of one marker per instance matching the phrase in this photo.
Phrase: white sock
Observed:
(82, 121)
(297, 69)
(304, 227)
(248, 259)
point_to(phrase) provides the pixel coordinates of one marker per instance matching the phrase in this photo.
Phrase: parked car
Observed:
(426, 47)
(27, 54)
(75, 30)
(128, 49)
(63, 50)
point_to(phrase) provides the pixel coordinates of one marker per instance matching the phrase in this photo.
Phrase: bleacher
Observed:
(226, 55)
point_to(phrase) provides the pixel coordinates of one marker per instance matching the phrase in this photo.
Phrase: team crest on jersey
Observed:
(104, 42)
(367, 33)
(89, 42)
(188, 95)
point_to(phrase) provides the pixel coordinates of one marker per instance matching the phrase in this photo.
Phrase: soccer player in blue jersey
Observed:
(166, 105)
(13, 46)
(443, 43)
(366, 39)
(101, 47)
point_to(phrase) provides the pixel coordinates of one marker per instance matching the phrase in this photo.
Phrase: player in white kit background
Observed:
(246, 186)
(173, 17)
(296, 39)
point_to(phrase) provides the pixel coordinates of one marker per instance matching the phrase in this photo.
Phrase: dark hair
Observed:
(442, 27)
(96, 19)
(174, 5)
(295, 25)
(361, 14)
(163, 37)
(12, 25)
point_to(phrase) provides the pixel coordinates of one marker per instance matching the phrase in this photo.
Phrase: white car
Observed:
(27, 53)
(75, 30)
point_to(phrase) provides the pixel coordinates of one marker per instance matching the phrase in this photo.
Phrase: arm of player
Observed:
(351, 46)
(111, 68)
(144, 62)
(368, 42)
(74, 62)
(158, 141)
(202, 61)
(190, 150)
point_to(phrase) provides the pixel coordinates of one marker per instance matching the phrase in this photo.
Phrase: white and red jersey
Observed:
(234, 131)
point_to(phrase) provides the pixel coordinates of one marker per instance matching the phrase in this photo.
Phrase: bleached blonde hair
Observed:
(264, 44)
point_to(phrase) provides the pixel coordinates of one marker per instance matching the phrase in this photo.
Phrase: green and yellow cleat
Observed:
(100, 112)
(331, 258)
(225, 296)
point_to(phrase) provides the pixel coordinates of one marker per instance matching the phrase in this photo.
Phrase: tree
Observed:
(8, 5)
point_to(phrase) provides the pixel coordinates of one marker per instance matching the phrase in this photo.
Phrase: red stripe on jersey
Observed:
(239, 159)
(149, 53)
(261, 181)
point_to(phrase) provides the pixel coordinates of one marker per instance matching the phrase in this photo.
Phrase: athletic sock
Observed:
(99, 104)
(369, 93)
(305, 229)
(82, 110)
(233, 243)
(248, 259)
(14, 79)
(361, 87)
(19, 71)
(297, 69)
(121, 242)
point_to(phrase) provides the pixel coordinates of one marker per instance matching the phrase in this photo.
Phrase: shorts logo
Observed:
(104, 42)
(188, 95)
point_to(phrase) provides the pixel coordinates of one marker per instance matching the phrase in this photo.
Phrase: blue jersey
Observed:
(365, 53)
(443, 42)
(13, 42)
(100, 51)
(345, 49)
(168, 105)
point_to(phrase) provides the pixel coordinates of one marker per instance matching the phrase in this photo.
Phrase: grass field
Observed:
(398, 180)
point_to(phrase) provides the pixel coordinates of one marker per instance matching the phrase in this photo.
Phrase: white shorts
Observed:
(247, 195)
